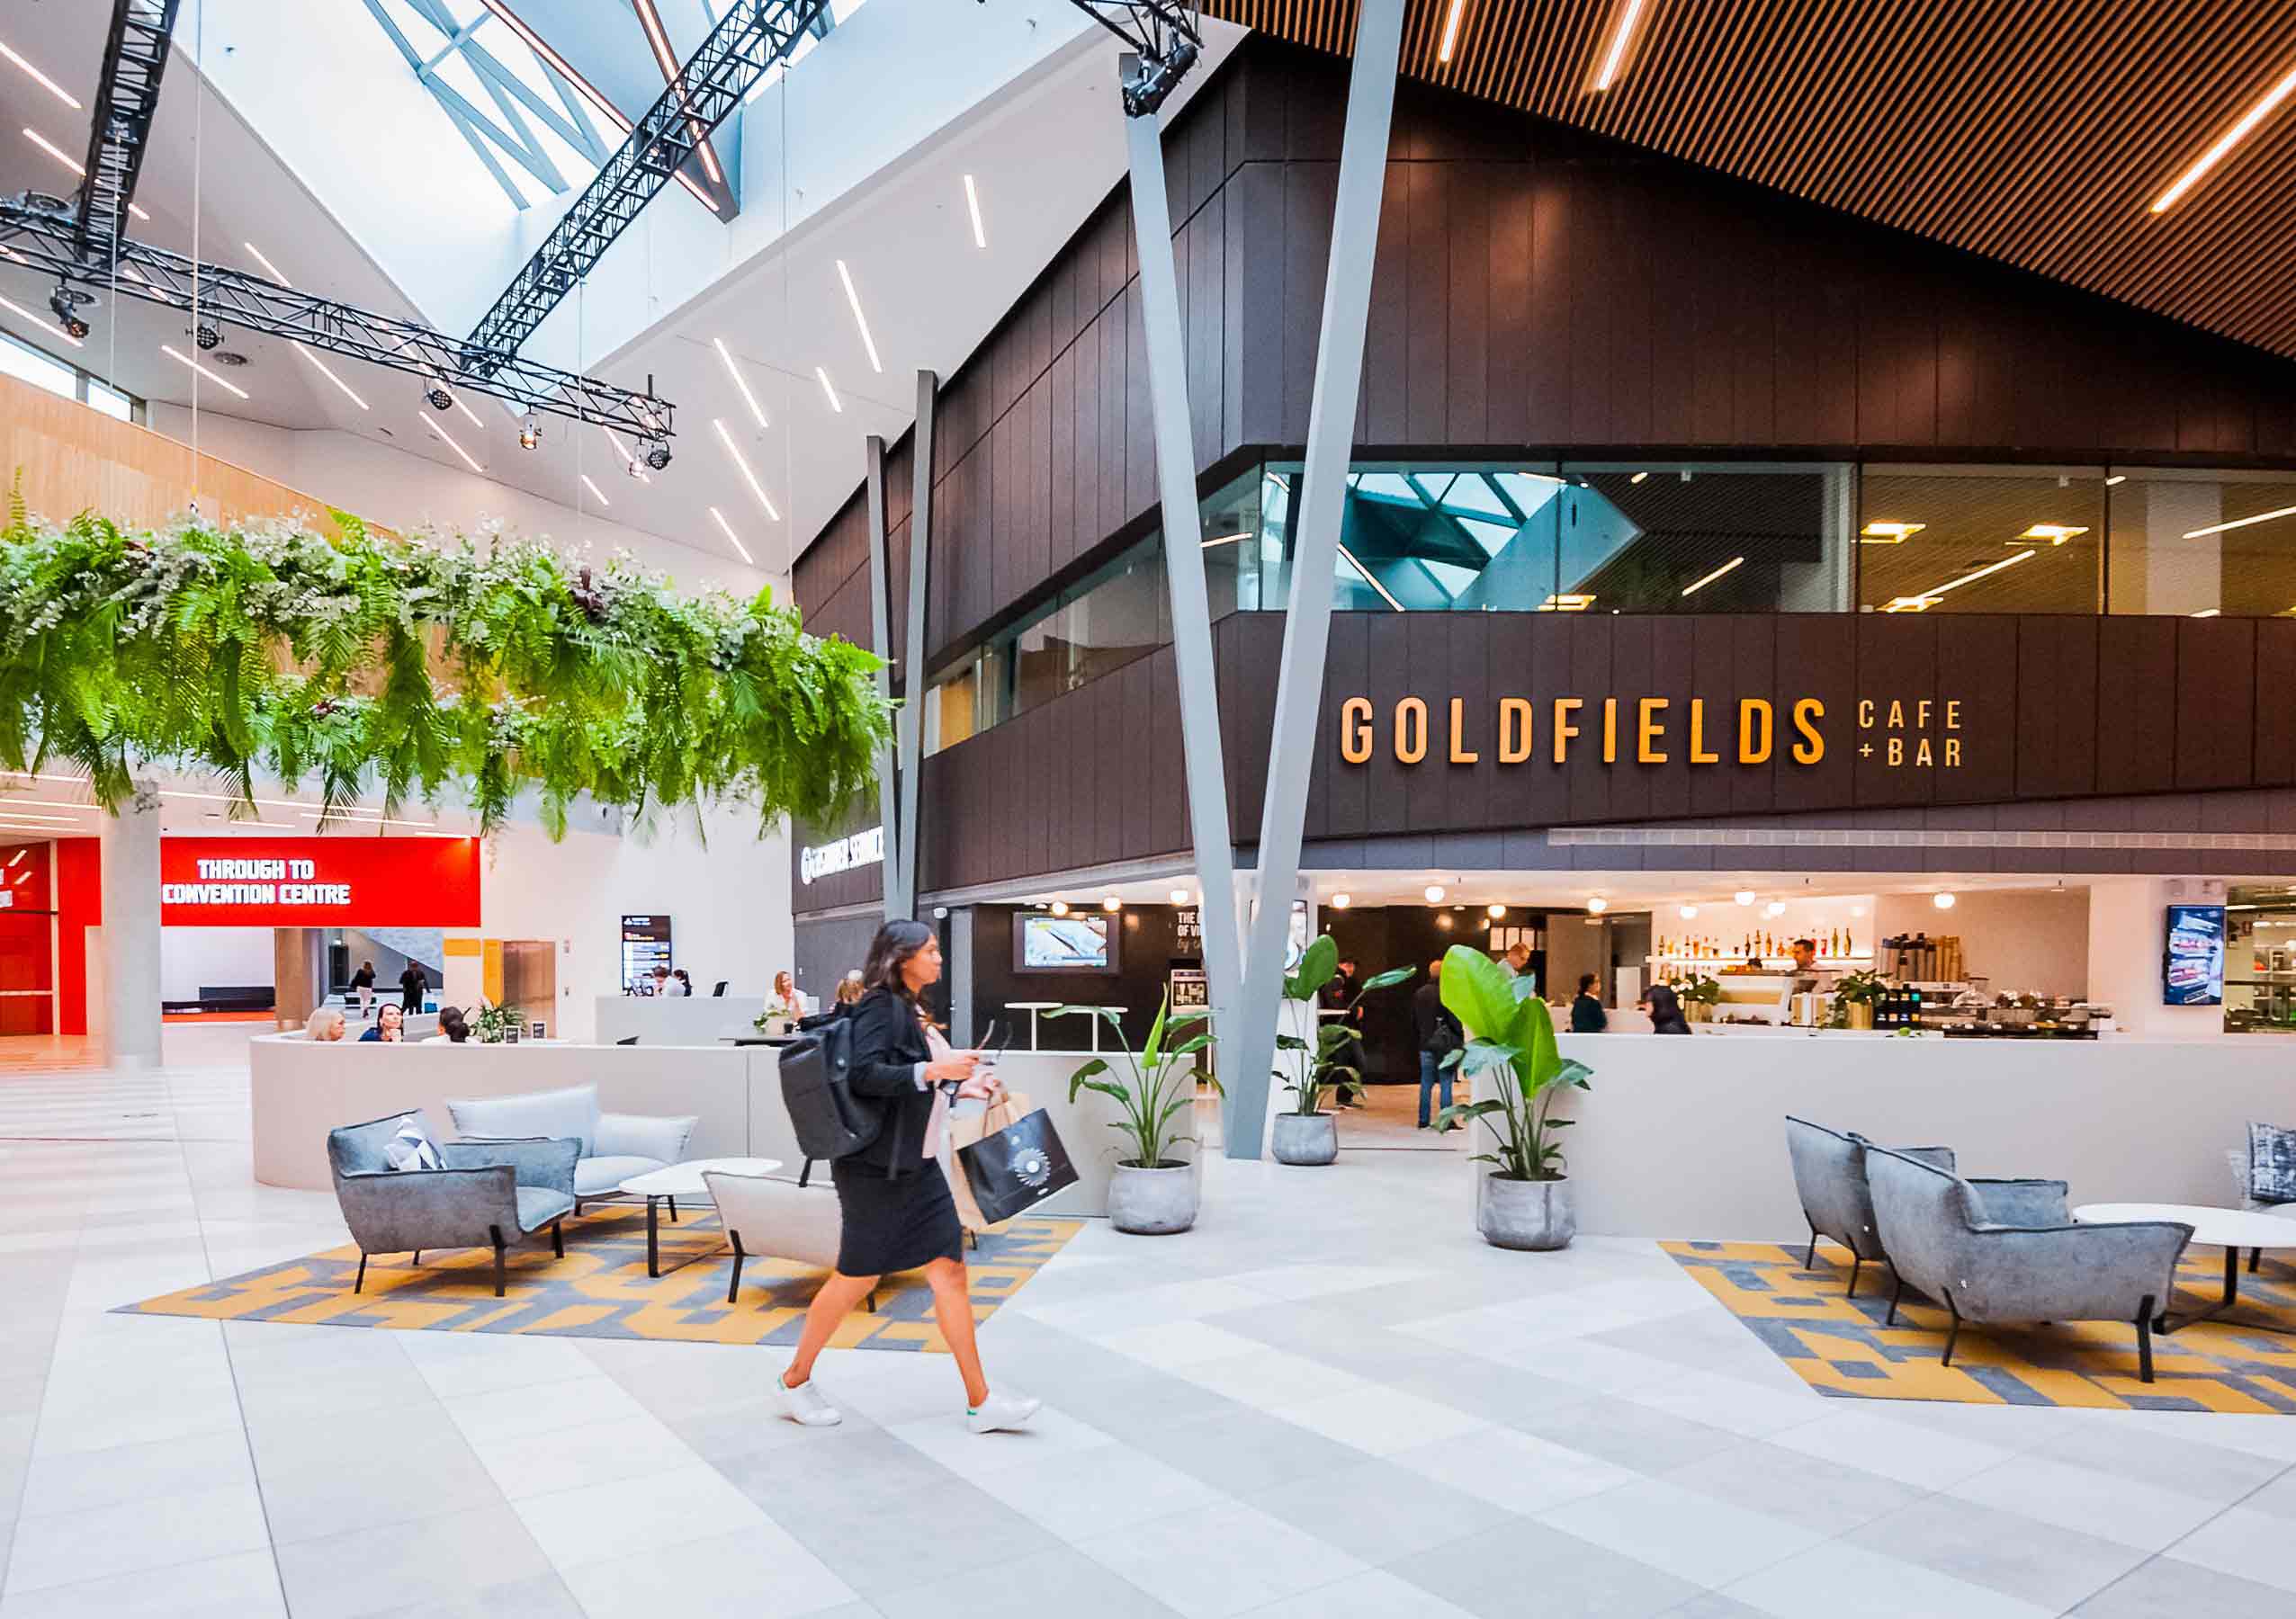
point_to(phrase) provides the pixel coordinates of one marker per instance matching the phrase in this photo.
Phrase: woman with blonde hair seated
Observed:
(324, 1024)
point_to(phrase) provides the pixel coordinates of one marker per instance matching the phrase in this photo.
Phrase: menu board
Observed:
(2192, 966)
(645, 945)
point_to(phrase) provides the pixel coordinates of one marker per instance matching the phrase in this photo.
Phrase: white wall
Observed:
(2030, 939)
(191, 957)
(2128, 932)
(388, 486)
(728, 903)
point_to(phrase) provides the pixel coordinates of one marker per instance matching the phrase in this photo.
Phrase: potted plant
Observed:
(1700, 995)
(776, 1018)
(492, 1025)
(1854, 994)
(1306, 1134)
(1525, 1200)
(1150, 1193)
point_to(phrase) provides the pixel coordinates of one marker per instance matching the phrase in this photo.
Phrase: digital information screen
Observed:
(2193, 968)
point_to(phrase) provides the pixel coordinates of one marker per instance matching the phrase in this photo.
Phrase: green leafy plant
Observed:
(416, 663)
(1514, 1039)
(1160, 1087)
(1698, 987)
(1863, 989)
(1316, 1068)
(493, 1026)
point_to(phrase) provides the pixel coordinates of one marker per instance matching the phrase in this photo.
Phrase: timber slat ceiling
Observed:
(2035, 131)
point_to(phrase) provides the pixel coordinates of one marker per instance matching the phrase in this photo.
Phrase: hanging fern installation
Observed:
(417, 665)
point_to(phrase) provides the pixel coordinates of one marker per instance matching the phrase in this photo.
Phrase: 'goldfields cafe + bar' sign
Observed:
(1921, 734)
(318, 881)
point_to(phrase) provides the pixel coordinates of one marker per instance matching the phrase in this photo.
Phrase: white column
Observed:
(130, 873)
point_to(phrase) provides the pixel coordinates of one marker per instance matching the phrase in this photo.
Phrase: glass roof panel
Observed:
(1474, 493)
(1491, 536)
(1388, 485)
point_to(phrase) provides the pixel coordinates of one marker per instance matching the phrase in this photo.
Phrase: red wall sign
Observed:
(318, 881)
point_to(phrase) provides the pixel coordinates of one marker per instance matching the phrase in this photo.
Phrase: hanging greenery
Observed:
(414, 667)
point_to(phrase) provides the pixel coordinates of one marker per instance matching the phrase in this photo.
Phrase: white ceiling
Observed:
(1043, 152)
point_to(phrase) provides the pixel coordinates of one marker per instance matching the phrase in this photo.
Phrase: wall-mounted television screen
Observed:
(2192, 966)
(1075, 944)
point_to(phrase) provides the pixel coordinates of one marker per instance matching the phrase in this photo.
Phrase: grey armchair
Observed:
(490, 1194)
(1830, 1178)
(2013, 1253)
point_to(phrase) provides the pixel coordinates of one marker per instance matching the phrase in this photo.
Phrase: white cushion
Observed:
(596, 1176)
(779, 1219)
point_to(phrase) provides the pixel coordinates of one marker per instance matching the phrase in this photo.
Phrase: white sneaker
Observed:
(1001, 1414)
(806, 1406)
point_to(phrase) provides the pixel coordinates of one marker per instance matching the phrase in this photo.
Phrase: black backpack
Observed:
(830, 1121)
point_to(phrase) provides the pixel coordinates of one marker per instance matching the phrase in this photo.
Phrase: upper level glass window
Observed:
(2202, 543)
(42, 370)
(1981, 539)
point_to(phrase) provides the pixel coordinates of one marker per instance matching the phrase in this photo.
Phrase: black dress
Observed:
(895, 1202)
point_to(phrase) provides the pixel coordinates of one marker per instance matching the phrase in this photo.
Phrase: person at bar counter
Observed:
(1808, 974)
(324, 1025)
(898, 1211)
(1587, 1015)
(1518, 958)
(1440, 1034)
(412, 986)
(1665, 1011)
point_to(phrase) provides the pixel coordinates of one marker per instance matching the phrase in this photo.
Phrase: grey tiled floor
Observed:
(1330, 1401)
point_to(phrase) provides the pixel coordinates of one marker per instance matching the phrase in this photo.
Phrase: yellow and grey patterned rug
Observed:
(601, 1288)
(1840, 1346)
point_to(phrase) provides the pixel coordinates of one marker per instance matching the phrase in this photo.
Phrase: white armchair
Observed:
(765, 1218)
(614, 1147)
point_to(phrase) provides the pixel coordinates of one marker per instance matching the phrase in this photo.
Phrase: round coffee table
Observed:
(683, 1180)
(2230, 1229)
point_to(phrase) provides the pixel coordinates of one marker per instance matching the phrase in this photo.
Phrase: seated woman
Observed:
(326, 1024)
(390, 1023)
(453, 1028)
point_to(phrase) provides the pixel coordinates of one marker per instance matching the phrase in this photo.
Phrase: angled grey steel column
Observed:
(897, 900)
(911, 729)
(1307, 625)
(1183, 523)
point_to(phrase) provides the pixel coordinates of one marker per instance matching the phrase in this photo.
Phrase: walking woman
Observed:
(898, 1211)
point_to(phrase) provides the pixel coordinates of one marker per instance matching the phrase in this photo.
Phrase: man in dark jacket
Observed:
(412, 986)
(1440, 1034)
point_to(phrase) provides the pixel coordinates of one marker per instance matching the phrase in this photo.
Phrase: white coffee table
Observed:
(2230, 1229)
(683, 1180)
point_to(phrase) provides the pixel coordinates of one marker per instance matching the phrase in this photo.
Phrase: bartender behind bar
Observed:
(1808, 977)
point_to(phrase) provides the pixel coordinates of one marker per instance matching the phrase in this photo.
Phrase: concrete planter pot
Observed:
(1152, 1203)
(1306, 1138)
(1536, 1215)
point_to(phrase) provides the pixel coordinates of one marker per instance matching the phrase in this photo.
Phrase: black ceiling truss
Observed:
(1164, 36)
(46, 241)
(135, 54)
(750, 37)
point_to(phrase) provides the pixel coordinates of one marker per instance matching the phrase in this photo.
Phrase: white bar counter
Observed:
(1684, 1137)
(676, 1019)
(300, 1089)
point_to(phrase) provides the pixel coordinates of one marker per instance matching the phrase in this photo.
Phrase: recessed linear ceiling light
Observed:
(1385, 594)
(1929, 598)
(1717, 573)
(1566, 603)
(1638, 477)
(853, 300)
(1888, 533)
(184, 359)
(1620, 37)
(269, 268)
(733, 371)
(35, 322)
(2115, 479)
(34, 814)
(594, 493)
(836, 404)
(344, 817)
(590, 92)
(463, 406)
(326, 370)
(451, 445)
(2225, 142)
(9, 806)
(741, 461)
(973, 206)
(666, 60)
(729, 535)
(1224, 540)
(1450, 31)
(2239, 523)
(2056, 533)
(2206, 612)
(50, 85)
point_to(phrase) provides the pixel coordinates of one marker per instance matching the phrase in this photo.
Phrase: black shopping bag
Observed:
(1017, 1167)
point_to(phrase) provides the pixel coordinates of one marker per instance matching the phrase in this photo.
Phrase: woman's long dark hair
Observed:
(889, 952)
(1665, 1011)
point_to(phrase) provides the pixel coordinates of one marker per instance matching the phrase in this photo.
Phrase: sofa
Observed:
(484, 1194)
(2012, 1253)
(614, 1147)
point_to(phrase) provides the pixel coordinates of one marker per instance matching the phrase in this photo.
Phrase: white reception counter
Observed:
(676, 1019)
(300, 1090)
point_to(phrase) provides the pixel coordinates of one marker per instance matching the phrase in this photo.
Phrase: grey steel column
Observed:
(1183, 523)
(897, 899)
(1307, 626)
(912, 656)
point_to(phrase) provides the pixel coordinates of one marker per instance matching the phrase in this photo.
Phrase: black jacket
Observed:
(888, 1043)
(1587, 1015)
(1428, 1014)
